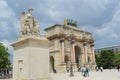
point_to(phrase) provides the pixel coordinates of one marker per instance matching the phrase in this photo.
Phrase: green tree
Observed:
(116, 59)
(4, 57)
(97, 59)
(105, 58)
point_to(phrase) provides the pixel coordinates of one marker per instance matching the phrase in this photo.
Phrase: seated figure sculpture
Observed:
(36, 28)
(29, 26)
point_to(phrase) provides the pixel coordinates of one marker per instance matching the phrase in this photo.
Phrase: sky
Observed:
(100, 17)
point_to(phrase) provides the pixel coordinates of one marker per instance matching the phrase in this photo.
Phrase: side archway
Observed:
(52, 63)
(78, 56)
(67, 61)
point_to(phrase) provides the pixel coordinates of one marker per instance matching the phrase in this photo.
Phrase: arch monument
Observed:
(70, 45)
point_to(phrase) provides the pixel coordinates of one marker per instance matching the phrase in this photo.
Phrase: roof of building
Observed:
(108, 47)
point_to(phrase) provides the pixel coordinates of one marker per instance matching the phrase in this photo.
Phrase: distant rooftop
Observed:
(115, 49)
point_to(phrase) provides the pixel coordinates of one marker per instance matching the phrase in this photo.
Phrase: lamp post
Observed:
(70, 41)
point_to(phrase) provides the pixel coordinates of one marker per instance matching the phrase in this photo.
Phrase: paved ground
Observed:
(93, 75)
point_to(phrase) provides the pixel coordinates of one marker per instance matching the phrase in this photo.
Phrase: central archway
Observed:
(78, 55)
(67, 62)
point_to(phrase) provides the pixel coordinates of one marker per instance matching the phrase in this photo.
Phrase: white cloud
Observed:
(8, 22)
(53, 13)
(6, 13)
(3, 4)
(115, 36)
(6, 43)
(103, 31)
(108, 33)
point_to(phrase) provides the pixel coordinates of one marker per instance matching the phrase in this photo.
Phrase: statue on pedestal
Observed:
(36, 28)
(29, 26)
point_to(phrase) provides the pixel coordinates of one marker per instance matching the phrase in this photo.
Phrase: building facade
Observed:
(115, 49)
(70, 45)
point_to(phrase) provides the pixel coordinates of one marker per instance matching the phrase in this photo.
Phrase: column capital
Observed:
(92, 45)
(85, 43)
(62, 40)
(72, 41)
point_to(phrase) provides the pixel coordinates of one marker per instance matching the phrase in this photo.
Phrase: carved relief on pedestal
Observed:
(29, 26)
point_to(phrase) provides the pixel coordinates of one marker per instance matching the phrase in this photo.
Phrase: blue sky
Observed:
(100, 17)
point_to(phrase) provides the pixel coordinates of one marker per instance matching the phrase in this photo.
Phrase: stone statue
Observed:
(29, 15)
(65, 22)
(75, 23)
(29, 26)
(36, 29)
(30, 19)
(70, 22)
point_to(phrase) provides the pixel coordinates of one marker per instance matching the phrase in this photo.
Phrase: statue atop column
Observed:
(29, 26)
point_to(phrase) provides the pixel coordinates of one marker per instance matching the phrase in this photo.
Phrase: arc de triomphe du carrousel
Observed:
(36, 55)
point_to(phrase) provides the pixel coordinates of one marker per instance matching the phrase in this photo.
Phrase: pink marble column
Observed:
(62, 51)
(73, 53)
(85, 52)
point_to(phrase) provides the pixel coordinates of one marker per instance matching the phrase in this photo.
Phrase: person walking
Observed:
(67, 68)
(118, 67)
(101, 68)
(82, 70)
(85, 71)
(55, 70)
(96, 68)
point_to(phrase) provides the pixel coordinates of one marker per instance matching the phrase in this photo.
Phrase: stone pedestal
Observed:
(62, 68)
(74, 65)
(31, 59)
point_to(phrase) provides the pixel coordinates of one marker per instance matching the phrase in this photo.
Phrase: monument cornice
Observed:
(53, 26)
(53, 51)
(90, 41)
(72, 37)
(29, 39)
(56, 36)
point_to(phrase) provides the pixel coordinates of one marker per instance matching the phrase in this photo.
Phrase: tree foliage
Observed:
(4, 56)
(116, 59)
(105, 58)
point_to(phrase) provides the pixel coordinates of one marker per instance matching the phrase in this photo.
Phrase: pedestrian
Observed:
(96, 68)
(10, 73)
(118, 67)
(55, 71)
(101, 68)
(82, 70)
(67, 69)
(110, 67)
(79, 69)
(85, 71)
